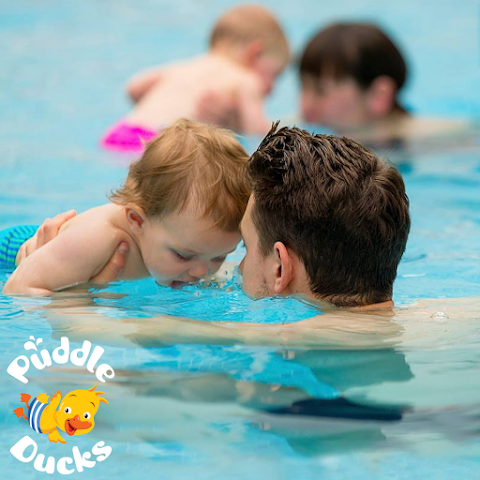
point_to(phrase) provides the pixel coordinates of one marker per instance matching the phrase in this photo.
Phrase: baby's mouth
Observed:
(177, 284)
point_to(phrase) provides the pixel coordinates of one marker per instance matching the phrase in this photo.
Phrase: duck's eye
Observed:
(67, 410)
(86, 415)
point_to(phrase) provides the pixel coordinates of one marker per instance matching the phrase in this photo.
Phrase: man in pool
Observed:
(327, 221)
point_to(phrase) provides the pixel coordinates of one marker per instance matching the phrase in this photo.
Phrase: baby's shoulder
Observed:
(100, 219)
(234, 73)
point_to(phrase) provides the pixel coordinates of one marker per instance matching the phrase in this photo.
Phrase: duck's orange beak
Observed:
(74, 424)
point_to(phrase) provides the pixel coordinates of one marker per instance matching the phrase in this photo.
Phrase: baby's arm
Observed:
(75, 256)
(251, 112)
(139, 84)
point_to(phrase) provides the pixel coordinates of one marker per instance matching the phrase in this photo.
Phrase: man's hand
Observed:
(46, 232)
(114, 268)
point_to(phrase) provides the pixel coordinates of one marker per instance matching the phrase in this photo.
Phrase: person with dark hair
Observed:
(351, 75)
(327, 219)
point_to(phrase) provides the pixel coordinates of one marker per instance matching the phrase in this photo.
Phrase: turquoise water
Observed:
(197, 408)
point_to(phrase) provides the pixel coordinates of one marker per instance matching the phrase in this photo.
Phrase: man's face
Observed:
(257, 270)
(338, 104)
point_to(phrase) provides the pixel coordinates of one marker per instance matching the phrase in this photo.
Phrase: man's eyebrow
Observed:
(92, 403)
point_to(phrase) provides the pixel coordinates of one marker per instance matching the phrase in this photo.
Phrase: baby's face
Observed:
(184, 248)
(338, 104)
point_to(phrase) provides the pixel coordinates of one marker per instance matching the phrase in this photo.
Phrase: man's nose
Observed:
(307, 106)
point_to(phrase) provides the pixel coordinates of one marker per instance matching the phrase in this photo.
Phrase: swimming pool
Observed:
(198, 409)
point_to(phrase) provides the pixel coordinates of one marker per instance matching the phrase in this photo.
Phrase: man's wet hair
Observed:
(337, 206)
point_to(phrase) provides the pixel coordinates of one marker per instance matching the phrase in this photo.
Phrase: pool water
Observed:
(198, 407)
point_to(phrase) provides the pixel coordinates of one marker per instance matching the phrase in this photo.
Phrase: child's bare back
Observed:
(248, 50)
(179, 87)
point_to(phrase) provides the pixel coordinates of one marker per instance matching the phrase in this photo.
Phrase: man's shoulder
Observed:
(435, 308)
(417, 128)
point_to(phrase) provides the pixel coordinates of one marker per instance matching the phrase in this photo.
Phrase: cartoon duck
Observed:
(75, 415)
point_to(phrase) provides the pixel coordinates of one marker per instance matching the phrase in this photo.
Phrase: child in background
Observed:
(248, 50)
(179, 211)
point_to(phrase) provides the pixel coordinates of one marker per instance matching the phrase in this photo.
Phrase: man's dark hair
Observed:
(354, 50)
(333, 202)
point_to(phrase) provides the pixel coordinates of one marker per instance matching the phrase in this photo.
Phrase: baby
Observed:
(179, 211)
(248, 50)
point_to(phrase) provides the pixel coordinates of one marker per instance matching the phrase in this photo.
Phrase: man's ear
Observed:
(284, 268)
(381, 96)
(136, 218)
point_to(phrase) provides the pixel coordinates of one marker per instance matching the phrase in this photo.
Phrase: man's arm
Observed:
(46, 232)
(321, 331)
(141, 83)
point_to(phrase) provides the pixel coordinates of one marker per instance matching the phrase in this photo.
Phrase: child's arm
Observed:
(139, 84)
(76, 255)
(251, 113)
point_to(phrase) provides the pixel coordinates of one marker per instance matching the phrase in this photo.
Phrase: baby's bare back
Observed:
(182, 85)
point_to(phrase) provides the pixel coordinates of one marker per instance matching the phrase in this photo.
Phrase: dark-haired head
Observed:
(359, 53)
(340, 209)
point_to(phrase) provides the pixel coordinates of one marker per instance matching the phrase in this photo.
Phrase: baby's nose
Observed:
(199, 270)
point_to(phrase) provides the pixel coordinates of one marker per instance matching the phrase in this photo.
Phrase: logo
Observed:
(74, 414)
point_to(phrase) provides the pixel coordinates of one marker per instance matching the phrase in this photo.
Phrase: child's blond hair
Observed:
(190, 164)
(242, 25)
